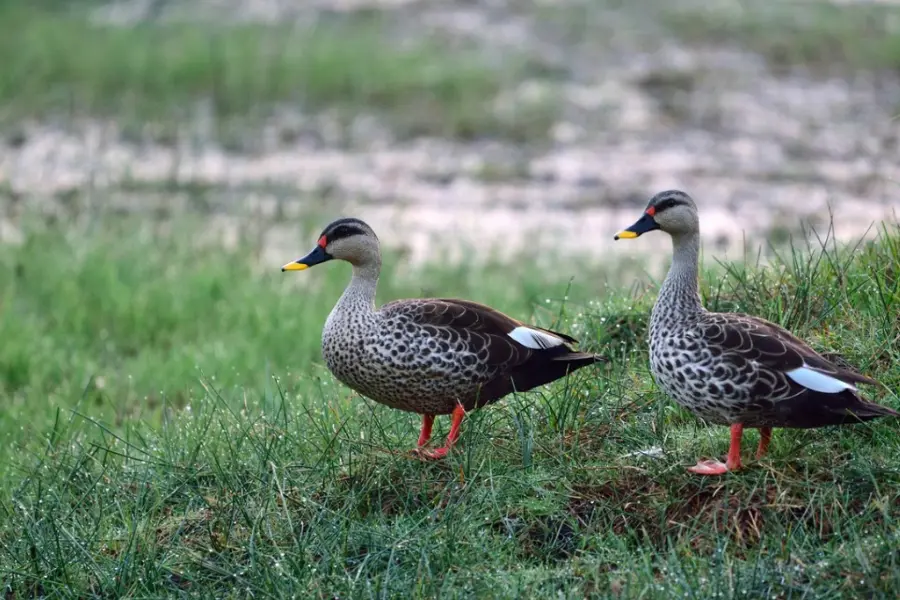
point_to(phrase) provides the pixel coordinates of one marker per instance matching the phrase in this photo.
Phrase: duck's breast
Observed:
(700, 378)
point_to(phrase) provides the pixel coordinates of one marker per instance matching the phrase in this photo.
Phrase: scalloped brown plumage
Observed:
(779, 353)
(514, 366)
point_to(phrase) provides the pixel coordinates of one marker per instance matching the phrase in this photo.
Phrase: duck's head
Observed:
(348, 239)
(672, 211)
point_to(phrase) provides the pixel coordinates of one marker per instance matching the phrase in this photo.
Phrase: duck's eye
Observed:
(670, 203)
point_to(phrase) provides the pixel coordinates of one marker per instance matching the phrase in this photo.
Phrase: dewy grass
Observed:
(168, 430)
(57, 62)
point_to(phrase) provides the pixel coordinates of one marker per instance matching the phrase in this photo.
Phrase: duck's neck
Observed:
(679, 293)
(359, 297)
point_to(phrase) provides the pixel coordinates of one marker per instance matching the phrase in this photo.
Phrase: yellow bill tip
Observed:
(294, 266)
(625, 235)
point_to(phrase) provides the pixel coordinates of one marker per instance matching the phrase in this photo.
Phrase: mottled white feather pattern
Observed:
(818, 381)
(534, 338)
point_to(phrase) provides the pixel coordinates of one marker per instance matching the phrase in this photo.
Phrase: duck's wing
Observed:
(522, 355)
(500, 339)
(476, 316)
(799, 384)
(775, 348)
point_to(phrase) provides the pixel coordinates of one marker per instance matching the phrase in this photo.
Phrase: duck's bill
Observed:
(644, 224)
(295, 266)
(313, 258)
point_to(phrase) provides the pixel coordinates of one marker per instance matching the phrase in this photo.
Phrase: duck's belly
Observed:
(408, 374)
(699, 380)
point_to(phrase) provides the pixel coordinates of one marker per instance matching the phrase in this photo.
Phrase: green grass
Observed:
(57, 63)
(168, 430)
(790, 33)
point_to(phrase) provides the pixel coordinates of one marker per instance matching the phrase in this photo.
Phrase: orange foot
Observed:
(733, 462)
(436, 454)
(439, 453)
(709, 467)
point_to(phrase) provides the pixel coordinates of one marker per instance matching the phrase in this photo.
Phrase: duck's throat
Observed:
(359, 297)
(679, 292)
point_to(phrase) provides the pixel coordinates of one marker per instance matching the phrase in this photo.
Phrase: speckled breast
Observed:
(409, 372)
(683, 369)
(352, 362)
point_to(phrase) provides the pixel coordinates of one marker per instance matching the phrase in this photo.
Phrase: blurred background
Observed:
(161, 159)
(490, 122)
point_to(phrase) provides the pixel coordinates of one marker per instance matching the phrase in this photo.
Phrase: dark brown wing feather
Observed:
(773, 346)
(513, 366)
(779, 400)
(496, 319)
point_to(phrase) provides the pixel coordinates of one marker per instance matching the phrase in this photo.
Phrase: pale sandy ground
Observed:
(758, 151)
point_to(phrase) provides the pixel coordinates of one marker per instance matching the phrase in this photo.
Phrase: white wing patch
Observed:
(818, 381)
(535, 339)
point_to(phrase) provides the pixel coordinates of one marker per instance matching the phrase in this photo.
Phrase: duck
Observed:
(731, 368)
(431, 356)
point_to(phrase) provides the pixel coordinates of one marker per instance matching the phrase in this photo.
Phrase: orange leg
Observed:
(427, 422)
(456, 419)
(765, 436)
(732, 463)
